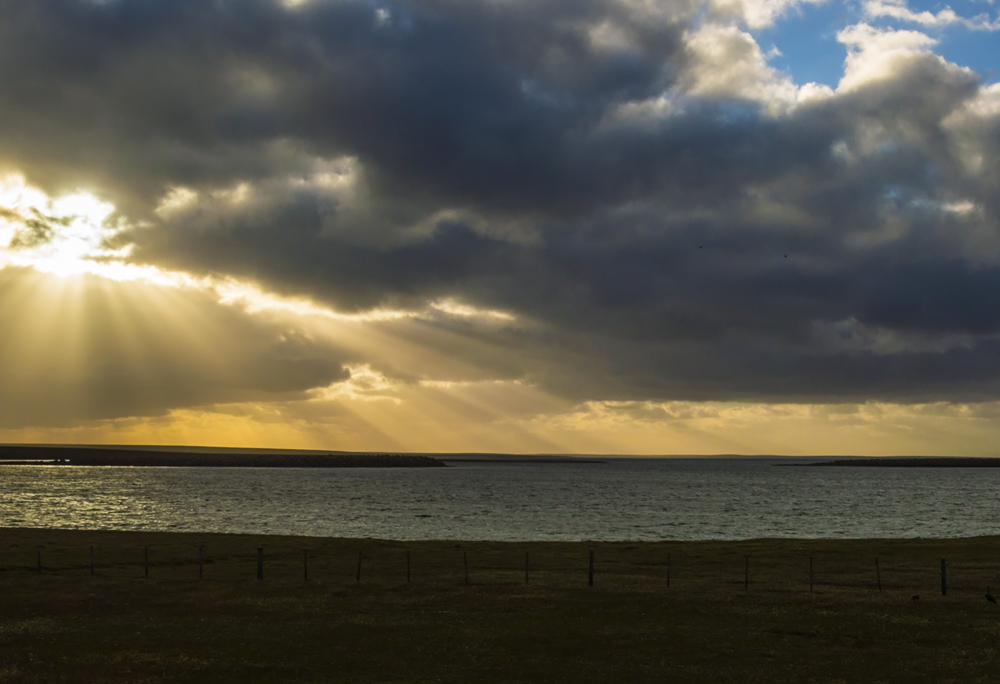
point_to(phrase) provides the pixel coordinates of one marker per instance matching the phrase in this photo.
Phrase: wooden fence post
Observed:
(260, 562)
(357, 577)
(590, 571)
(305, 565)
(944, 578)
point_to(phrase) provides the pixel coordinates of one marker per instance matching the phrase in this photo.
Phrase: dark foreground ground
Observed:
(64, 624)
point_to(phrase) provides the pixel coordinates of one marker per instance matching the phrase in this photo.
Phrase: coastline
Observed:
(108, 456)
(903, 462)
(230, 457)
(963, 546)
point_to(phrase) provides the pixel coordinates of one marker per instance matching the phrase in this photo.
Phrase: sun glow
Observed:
(76, 234)
(67, 236)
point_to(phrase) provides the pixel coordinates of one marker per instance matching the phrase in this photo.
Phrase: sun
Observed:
(65, 236)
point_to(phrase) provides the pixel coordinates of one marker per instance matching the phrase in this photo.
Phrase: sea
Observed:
(627, 499)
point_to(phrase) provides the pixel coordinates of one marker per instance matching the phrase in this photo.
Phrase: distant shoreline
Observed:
(103, 456)
(897, 462)
(558, 460)
(236, 457)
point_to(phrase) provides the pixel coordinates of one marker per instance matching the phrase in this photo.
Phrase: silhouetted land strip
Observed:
(731, 612)
(550, 460)
(893, 462)
(91, 456)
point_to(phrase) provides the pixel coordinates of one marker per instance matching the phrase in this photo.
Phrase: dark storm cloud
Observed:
(463, 101)
(519, 156)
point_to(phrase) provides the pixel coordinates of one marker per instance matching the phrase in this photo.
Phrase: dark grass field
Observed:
(64, 624)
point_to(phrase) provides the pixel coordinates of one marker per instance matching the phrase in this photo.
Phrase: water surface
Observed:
(628, 499)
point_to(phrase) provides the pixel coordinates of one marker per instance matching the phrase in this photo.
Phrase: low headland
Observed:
(222, 457)
(906, 462)
(99, 606)
(214, 458)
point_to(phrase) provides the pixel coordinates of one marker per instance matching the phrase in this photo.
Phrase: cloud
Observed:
(651, 210)
(448, 102)
(758, 14)
(898, 9)
(882, 54)
(728, 63)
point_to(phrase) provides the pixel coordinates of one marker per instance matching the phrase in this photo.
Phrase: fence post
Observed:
(201, 562)
(944, 578)
(465, 562)
(590, 570)
(357, 577)
(305, 565)
(878, 576)
(260, 562)
(38, 557)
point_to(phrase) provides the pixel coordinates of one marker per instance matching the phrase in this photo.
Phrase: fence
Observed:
(753, 567)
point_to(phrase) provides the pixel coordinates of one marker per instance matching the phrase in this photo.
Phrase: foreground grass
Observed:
(64, 624)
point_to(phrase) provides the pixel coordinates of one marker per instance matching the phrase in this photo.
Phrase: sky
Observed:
(527, 226)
